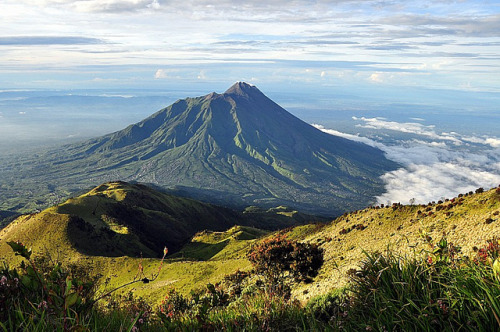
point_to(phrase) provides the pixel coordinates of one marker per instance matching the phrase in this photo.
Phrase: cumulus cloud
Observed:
(161, 73)
(202, 75)
(431, 182)
(433, 169)
(494, 142)
(376, 77)
(491, 141)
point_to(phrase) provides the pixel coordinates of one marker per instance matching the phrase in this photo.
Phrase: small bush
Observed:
(278, 258)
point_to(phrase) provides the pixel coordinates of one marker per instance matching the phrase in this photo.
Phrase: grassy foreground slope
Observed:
(467, 221)
(121, 219)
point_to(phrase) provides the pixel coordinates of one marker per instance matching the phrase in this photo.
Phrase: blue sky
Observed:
(275, 44)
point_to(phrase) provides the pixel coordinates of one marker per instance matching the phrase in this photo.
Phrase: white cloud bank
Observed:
(432, 169)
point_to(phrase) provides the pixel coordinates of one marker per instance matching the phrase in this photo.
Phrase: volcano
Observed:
(238, 148)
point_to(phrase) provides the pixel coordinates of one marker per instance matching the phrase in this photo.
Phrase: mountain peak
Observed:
(242, 89)
(238, 148)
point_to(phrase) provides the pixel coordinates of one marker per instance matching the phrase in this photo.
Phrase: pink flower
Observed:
(3, 281)
(43, 305)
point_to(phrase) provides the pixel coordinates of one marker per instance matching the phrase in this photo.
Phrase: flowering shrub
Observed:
(489, 253)
(173, 305)
(277, 258)
(236, 282)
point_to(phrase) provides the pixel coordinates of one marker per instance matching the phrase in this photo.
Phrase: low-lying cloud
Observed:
(432, 168)
(406, 127)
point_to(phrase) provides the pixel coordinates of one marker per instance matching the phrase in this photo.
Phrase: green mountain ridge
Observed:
(123, 219)
(237, 149)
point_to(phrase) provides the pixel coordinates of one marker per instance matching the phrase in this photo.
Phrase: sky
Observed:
(418, 79)
(278, 44)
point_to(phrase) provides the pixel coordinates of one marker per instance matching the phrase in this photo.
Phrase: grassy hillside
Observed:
(45, 233)
(209, 245)
(468, 221)
(110, 228)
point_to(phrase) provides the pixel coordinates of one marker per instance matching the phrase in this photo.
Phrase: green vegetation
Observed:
(438, 289)
(468, 221)
(379, 268)
(209, 245)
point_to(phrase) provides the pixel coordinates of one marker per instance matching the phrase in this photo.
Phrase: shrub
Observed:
(278, 258)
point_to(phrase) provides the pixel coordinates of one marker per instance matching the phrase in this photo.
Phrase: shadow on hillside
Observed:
(201, 250)
(102, 241)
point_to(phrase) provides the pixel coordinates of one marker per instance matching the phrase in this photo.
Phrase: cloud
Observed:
(378, 40)
(428, 183)
(494, 142)
(491, 141)
(376, 77)
(460, 24)
(356, 138)
(406, 127)
(108, 6)
(202, 75)
(432, 169)
(48, 40)
(160, 73)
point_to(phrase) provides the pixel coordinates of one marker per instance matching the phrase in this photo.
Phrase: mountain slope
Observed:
(467, 221)
(237, 148)
(119, 218)
(110, 228)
